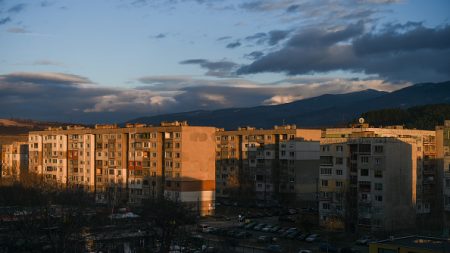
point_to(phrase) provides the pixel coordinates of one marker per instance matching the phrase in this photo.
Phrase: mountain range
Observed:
(322, 111)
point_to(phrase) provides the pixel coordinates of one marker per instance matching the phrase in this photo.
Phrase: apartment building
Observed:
(257, 162)
(130, 164)
(386, 177)
(443, 157)
(14, 160)
(299, 170)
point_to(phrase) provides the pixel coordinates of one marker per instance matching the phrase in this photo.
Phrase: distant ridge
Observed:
(425, 117)
(321, 111)
(23, 126)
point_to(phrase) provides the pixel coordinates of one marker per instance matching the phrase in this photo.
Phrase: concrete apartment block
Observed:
(443, 157)
(130, 164)
(387, 177)
(248, 162)
(14, 160)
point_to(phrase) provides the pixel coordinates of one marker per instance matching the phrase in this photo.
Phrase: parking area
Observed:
(276, 233)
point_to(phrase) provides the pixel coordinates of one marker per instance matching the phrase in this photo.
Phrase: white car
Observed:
(305, 251)
(312, 238)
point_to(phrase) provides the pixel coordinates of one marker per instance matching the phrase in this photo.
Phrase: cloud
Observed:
(17, 8)
(257, 37)
(45, 78)
(215, 68)
(293, 8)
(74, 98)
(261, 5)
(68, 97)
(271, 38)
(417, 37)
(17, 30)
(5, 20)
(223, 38)
(233, 44)
(254, 55)
(159, 36)
(48, 63)
(277, 35)
(416, 54)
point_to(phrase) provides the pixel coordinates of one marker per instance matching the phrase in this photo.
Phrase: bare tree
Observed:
(167, 217)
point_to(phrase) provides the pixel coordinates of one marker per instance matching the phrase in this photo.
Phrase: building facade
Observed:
(14, 161)
(130, 164)
(443, 155)
(258, 162)
(386, 177)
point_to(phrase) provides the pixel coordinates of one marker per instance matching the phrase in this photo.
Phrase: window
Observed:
(339, 184)
(378, 186)
(378, 149)
(364, 196)
(325, 148)
(364, 172)
(326, 160)
(364, 148)
(378, 173)
(379, 198)
(377, 161)
(339, 148)
(324, 182)
(339, 172)
(364, 159)
(339, 160)
(325, 205)
(325, 171)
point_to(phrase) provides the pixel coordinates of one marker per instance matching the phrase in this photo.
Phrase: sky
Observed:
(104, 61)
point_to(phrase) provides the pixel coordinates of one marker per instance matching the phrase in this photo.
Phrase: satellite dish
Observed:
(361, 120)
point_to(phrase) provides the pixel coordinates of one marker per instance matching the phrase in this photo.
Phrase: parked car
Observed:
(259, 226)
(304, 251)
(326, 247)
(312, 238)
(292, 235)
(281, 231)
(267, 228)
(264, 238)
(210, 230)
(302, 236)
(274, 229)
(274, 248)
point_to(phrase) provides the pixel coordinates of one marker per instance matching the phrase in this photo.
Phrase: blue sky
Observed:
(112, 60)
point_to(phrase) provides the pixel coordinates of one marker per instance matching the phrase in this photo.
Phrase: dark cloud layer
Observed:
(74, 98)
(271, 38)
(416, 54)
(215, 68)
